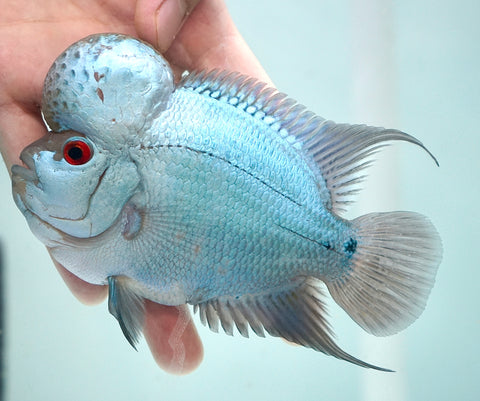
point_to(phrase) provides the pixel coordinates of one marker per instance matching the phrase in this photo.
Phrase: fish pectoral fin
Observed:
(296, 314)
(127, 307)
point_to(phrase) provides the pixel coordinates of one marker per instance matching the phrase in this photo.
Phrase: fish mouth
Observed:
(26, 172)
(27, 159)
(21, 175)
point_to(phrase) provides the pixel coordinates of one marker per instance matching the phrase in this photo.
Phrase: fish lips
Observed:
(26, 172)
(21, 175)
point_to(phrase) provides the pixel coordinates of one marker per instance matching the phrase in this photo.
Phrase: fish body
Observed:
(219, 192)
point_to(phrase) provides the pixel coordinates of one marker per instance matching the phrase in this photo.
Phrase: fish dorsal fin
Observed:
(337, 153)
(297, 314)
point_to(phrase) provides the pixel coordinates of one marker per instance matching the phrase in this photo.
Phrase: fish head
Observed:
(101, 96)
(72, 185)
(110, 86)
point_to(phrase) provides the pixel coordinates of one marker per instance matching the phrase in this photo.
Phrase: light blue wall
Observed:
(59, 349)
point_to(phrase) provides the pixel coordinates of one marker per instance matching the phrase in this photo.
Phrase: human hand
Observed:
(191, 37)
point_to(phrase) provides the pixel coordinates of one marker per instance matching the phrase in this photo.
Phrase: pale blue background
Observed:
(413, 64)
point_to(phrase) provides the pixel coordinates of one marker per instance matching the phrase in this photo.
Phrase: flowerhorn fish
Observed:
(219, 192)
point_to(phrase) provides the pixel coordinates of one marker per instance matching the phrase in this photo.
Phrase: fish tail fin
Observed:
(392, 271)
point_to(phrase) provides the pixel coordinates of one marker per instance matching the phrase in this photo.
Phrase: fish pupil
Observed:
(75, 153)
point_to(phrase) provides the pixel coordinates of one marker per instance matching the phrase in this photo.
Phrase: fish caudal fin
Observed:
(297, 314)
(392, 271)
(127, 307)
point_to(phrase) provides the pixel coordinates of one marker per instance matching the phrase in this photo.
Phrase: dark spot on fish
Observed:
(180, 236)
(72, 73)
(65, 105)
(76, 54)
(350, 247)
(326, 244)
(63, 66)
(107, 47)
(98, 76)
(100, 94)
(114, 120)
(100, 50)
(196, 249)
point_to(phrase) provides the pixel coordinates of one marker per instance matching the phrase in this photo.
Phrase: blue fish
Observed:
(220, 192)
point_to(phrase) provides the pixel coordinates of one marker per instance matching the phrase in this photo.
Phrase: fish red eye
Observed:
(77, 152)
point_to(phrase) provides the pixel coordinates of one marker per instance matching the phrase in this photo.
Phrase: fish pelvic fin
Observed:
(392, 271)
(297, 314)
(127, 307)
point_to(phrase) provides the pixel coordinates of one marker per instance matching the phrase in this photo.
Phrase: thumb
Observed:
(158, 21)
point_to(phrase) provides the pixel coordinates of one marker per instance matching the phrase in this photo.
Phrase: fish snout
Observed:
(20, 177)
(27, 158)
(20, 173)
(26, 172)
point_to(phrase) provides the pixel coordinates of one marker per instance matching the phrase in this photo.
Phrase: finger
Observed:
(209, 39)
(158, 21)
(88, 294)
(172, 337)
(19, 126)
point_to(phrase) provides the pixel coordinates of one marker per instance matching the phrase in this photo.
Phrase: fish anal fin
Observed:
(296, 314)
(127, 307)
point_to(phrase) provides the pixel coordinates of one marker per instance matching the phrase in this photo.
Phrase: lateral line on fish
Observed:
(326, 245)
(228, 162)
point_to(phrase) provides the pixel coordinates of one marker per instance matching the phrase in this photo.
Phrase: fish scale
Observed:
(220, 192)
(269, 151)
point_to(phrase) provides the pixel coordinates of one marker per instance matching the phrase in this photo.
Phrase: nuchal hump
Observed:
(91, 88)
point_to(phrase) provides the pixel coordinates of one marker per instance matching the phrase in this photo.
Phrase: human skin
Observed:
(191, 36)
